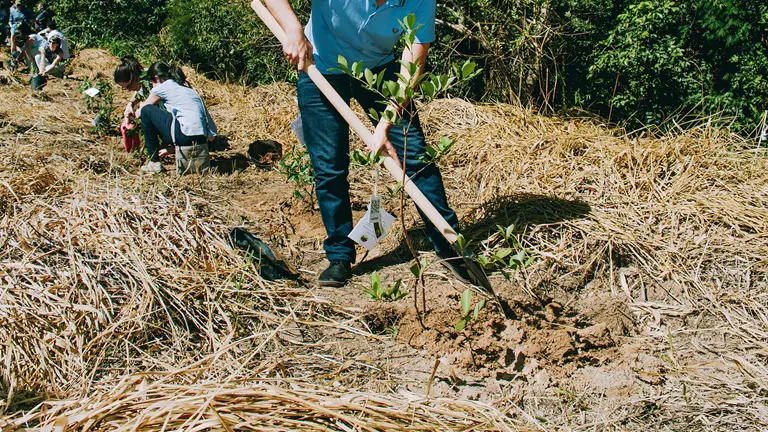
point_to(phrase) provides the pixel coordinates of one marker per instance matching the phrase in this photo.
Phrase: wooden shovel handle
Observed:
(361, 130)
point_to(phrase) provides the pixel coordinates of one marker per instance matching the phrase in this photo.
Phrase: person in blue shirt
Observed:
(184, 121)
(367, 31)
(19, 15)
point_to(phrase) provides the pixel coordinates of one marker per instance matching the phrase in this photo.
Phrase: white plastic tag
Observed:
(374, 210)
(368, 234)
(92, 92)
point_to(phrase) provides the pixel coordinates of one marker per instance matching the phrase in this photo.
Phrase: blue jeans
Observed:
(327, 138)
(156, 124)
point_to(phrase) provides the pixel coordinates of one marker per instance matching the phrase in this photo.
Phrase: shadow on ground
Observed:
(522, 210)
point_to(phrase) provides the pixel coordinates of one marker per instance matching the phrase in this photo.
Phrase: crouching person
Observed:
(185, 124)
(49, 59)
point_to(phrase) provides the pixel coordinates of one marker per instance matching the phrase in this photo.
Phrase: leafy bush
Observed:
(635, 61)
(643, 70)
(225, 38)
(95, 21)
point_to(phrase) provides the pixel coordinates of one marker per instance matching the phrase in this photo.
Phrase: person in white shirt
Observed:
(49, 59)
(51, 32)
(186, 121)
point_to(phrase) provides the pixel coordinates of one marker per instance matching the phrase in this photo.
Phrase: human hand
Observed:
(298, 50)
(382, 143)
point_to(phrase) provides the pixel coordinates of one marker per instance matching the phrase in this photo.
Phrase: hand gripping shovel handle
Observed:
(477, 274)
(361, 130)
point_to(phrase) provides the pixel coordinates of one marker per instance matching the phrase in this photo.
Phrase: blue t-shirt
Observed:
(188, 108)
(18, 15)
(360, 30)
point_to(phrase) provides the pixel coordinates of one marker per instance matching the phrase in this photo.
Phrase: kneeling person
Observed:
(186, 121)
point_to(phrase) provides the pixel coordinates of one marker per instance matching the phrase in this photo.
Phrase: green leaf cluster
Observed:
(377, 292)
(468, 313)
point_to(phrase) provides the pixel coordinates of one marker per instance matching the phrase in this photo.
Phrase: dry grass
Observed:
(124, 307)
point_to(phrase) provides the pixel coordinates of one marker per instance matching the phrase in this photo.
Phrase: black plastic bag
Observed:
(267, 263)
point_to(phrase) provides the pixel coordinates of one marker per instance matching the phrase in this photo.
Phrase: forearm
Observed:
(285, 16)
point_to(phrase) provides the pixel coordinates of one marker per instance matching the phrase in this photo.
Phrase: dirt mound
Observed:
(540, 337)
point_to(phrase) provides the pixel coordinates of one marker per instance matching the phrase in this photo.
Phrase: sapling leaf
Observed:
(416, 269)
(374, 114)
(417, 81)
(390, 115)
(391, 86)
(428, 89)
(461, 324)
(402, 78)
(505, 274)
(484, 262)
(466, 302)
(412, 68)
(519, 256)
(410, 21)
(343, 64)
(467, 68)
(370, 78)
(357, 69)
(478, 307)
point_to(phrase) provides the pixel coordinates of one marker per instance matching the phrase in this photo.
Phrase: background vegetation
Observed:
(633, 62)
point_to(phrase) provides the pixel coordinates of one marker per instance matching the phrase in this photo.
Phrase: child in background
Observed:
(128, 75)
(186, 122)
(43, 17)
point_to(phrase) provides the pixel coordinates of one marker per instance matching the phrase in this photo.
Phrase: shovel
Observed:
(476, 273)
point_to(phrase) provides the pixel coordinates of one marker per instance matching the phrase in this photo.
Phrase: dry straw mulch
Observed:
(135, 404)
(124, 308)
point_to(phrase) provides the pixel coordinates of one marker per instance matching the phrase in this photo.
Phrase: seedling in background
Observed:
(510, 257)
(297, 168)
(419, 267)
(376, 292)
(100, 104)
(468, 313)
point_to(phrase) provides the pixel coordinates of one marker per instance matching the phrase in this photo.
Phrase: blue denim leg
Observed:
(428, 179)
(327, 138)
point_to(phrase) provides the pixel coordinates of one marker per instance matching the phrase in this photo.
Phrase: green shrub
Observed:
(225, 38)
(95, 21)
(644, 71)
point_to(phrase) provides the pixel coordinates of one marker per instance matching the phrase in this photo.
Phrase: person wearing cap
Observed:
(367, 31)
(19, 15)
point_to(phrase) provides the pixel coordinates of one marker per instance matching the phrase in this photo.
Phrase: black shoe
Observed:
(336, 275)
(456, 265)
